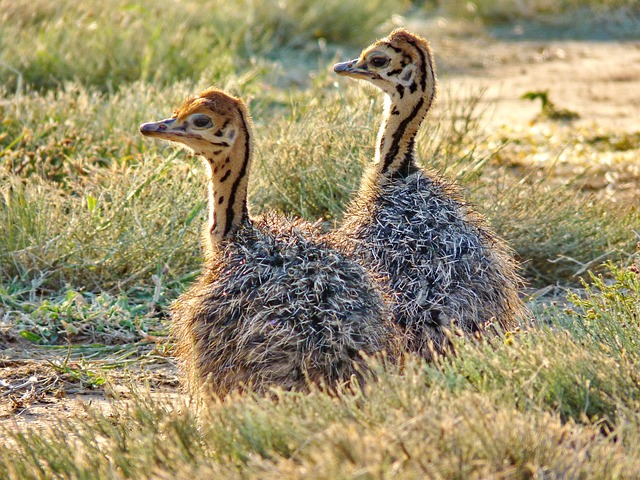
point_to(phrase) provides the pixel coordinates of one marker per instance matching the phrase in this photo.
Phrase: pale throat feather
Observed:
(383, 128)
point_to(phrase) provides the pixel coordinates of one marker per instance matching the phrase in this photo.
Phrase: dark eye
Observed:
(201, 121)
(378, 61)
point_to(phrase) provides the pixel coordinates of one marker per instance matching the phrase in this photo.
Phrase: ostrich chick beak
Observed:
(157, 129)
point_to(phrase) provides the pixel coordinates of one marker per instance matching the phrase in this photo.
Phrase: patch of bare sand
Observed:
(600, 81)
(39, 386)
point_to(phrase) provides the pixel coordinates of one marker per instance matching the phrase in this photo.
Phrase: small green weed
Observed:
(549, 109)
(76, 316)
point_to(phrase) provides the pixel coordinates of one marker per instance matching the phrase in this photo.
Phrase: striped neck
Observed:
(395, 151)
(410, 95)
(228, 182)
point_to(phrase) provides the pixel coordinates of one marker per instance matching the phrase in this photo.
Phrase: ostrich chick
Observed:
(271, 307)
(437, 256)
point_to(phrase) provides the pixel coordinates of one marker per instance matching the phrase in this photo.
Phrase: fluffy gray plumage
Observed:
(435, 255)
(273, 308)
(274, 305)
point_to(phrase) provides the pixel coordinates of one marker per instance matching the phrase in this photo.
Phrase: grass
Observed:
(123, 41)
(559, 401)
(101, 232)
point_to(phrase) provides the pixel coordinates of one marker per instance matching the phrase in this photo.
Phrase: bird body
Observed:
(272, 308)
(436, 256)
(274, 305)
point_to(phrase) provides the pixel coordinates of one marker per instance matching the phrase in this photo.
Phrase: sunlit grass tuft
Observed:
(560, 234)
(116, 230)
(560, 399)
(48, 44)
(543, 400)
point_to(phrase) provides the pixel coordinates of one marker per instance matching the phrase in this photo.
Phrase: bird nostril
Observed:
(162, 126)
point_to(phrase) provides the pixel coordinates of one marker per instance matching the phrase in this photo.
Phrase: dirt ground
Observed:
(39, 384)
(599, 80)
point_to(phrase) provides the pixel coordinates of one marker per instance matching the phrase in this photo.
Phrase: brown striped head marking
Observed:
(207, 123)
(400, 64)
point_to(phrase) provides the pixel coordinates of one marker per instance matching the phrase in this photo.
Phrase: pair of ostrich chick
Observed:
(280, 304)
